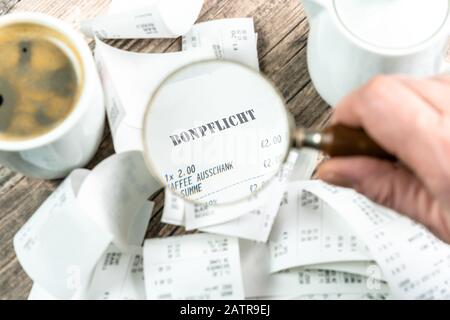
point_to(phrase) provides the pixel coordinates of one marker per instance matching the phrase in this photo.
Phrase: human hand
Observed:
(409, 118)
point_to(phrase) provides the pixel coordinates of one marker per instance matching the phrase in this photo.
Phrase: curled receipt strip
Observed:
(259, 282)
(368, 269)
(199, 266)
(62, 242)
(58, 247)
(119, 275)
(253, 221)
(307, 231)
(414, 262)
(113, 194)
(232, 39)
(145, 19)
(129, 80)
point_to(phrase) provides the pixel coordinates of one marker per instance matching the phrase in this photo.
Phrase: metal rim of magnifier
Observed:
(147, 157)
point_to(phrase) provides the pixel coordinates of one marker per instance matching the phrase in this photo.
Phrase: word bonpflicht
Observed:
(213, 127)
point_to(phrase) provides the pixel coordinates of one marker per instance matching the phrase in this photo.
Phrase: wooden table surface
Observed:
(282, 33)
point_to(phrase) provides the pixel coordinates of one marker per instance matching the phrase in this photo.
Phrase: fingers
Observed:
(442, 78)
(381, 98)
(404, 122)
(389, 111)
(434, 91)
(389, 185)
(410, 118)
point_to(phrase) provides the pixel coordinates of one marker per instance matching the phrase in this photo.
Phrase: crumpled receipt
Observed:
(129, 80)
(368, 269)
(260, 282)
(308, 231)
(114, 193)
(413, 261)
(232, 39)
(59, 246)
(144, 19)
(62, 242)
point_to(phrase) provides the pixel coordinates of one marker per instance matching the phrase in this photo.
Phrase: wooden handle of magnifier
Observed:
(341, 141)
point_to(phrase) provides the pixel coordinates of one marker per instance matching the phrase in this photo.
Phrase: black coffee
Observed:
(39, 80)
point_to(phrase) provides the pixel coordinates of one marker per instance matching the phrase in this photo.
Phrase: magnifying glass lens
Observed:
(216, 132)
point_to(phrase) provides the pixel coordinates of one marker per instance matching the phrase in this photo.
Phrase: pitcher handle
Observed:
(315, 7)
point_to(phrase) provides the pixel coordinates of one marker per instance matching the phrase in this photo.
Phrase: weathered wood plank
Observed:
(72, 11)
(309, 108)
(7, 5)
(282, 32)
(14, 283)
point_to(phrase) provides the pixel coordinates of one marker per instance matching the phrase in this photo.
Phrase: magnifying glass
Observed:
(216, 132)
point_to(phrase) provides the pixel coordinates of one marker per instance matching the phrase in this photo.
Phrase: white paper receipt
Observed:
(61, 244)
(199, 266)
(114, 195)
(118, 276)
(239, 220)
(232, 39)
(414, 262)
(308, 231)
(59, 247)
(129, 81)
(145, 19)
(260, 282)
(256, 224)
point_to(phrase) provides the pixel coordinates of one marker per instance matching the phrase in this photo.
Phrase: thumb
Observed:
(389, 185)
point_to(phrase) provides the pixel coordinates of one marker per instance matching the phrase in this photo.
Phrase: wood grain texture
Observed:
(6, 5)
(282, 32)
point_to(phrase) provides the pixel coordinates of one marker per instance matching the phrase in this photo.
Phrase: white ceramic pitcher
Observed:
(351, 41)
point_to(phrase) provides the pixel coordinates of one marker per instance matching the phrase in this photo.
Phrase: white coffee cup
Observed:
(73, 143)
